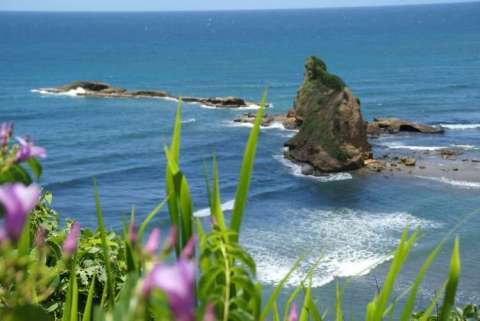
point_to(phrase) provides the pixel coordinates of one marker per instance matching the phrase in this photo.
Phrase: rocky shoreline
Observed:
(104, 90)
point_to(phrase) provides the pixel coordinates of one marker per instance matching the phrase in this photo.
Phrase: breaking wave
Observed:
(204, 212)
(347, 243)
(296, 170)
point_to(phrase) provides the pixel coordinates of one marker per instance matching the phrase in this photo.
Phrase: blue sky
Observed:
(161, 5)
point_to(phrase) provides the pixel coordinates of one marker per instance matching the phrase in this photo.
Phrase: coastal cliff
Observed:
(332, 134)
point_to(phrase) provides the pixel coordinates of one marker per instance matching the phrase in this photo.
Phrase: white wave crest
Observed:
(296, 170)
(72, 92)
(456, 183)
(189, 120)
(460, 126)
(348, 243)
(398, 145)
(204, 212)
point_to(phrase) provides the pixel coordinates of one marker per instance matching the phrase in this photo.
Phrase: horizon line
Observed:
(245, 9)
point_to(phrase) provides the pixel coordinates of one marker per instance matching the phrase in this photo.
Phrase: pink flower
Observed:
(293, 316)
(133, 233)
(209, 313)
(151, 247)
(177, 282)
(71, 241)
(28, 150)
(18, 201)
(5, 133)
(189, 249)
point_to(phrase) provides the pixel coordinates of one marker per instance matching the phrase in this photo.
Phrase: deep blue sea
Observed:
(416, 62)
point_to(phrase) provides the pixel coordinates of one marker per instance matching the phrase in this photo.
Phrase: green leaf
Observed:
(15, 173)
(24, 243)
(246, 171)
(105, 251)
(35, 166)
(25, 313)
(452, 283)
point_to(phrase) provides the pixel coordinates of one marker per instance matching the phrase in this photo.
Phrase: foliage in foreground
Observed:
(71, 274)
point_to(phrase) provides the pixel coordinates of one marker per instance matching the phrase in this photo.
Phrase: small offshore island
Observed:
(104, 90)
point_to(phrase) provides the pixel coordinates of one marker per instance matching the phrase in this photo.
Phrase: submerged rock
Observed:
(395, 125)
(332, 135)
(288, 122)
(102, 90)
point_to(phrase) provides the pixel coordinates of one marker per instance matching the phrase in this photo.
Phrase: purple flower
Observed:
(151, 247)
(177, 282)
(293, 315)
(18, 201)
(5, 132)
(3, 235)
(28, 150)
(189, 249)
(133, 233)
(70, 243)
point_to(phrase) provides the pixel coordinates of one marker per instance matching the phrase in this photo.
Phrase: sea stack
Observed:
(332, 136)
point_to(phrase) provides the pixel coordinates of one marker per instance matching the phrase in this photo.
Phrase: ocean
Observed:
(416, 62)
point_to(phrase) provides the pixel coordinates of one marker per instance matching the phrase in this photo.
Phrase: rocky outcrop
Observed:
(332, 135)
(104, 90)
(394, 125)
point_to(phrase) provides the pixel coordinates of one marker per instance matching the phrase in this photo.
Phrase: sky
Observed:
(162, 5)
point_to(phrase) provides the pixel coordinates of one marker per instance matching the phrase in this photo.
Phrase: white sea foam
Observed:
(460, 126)
(456, 183)
(296, 170)
(189, 120)
(348, 243)
(398, 145)
(72, 92)
(204, 212)
(274, 125)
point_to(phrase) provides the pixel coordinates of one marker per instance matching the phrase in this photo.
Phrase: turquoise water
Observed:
(420, 63)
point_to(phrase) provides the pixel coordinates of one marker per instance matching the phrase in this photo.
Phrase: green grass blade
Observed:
(177, 132)
(305, 311)
(106, 256)
(149, 218)
(216, 209)
(399, 259)
(246, 171)
(410, 304)
(74, 302)
(278, 289)
(428, 312)
(174, 154)
(338, 303)
(452, 283)
(87, 313)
